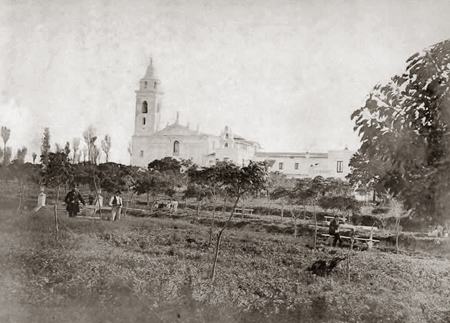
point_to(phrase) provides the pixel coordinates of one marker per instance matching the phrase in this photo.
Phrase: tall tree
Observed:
(45, 146)
(34, 155)
(405, 125)
(130, 149)
(90, 136)
(75, 147)
(5, 132)
(7, 154)
(106, 146)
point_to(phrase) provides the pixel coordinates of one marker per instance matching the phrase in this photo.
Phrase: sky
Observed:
(285, 73)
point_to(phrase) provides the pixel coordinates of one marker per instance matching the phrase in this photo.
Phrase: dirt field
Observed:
(157, 268)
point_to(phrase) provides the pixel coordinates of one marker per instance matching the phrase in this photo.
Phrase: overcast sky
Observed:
(286, 73)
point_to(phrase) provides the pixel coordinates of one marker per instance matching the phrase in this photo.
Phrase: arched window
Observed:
(226, 136)
(176, 148)
(145, 85)
(144, 121)
(144, 107)
(226, 145)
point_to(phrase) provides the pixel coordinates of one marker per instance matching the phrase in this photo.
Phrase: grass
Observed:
(156, 269)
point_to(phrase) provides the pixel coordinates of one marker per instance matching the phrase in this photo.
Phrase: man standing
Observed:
(334, 231)
(72, 200)
(116, 204)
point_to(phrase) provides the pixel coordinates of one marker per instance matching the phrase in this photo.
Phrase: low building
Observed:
(333, 163)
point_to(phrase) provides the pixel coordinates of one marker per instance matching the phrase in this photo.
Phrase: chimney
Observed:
(178, 117)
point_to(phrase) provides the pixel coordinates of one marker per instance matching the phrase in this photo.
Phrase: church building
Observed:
(150, 142)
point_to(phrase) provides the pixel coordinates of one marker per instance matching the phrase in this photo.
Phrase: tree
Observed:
(45, 146)
(148, 182)
(130, 148)
(238, 181)
(34, 155)
(57, 172)
(367, 175)
(7, 154)
(23, 173)
(342, 205)
(106, 146)
(5, 132)
(67, 149)
(21, 154)
(172, 174)
(203, 183)
(405, 125)
(90, 136)
(276, 181)
(75, 146)
(288, 196)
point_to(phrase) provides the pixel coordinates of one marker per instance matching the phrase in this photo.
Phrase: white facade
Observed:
(178, 141)
(333, 163)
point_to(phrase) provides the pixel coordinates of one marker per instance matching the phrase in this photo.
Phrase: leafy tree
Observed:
(148, 182)
(342, 205)
(172, 174)
(45, 146)
(197, 190)
(238, 182)
(405, 125)
(204, 182)
(24, 173)
(5, 133)
(34, 155)
(276, 181)
(288, 195)
(106, 146)
(58, 172)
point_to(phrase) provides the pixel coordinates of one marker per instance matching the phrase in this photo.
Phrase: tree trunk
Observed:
(96, 196)
(219, 239)
(19, 208)
(294, 218)
(213, 221)
(397, 226)
(199, 205)
(55, 211)
(349, 256)
(315, 225)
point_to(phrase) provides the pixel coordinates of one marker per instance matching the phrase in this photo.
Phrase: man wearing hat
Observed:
(116, 204)
(72, 200)
(334, 231)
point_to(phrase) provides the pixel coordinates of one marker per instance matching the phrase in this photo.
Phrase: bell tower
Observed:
(148, 104)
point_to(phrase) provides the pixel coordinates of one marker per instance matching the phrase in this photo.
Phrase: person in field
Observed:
(72, 200)
(334, 231)
(116, 203)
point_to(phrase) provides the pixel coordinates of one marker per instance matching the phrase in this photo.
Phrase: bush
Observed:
(380, 210)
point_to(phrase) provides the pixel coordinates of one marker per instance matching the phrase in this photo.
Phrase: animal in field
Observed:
(323, 267)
